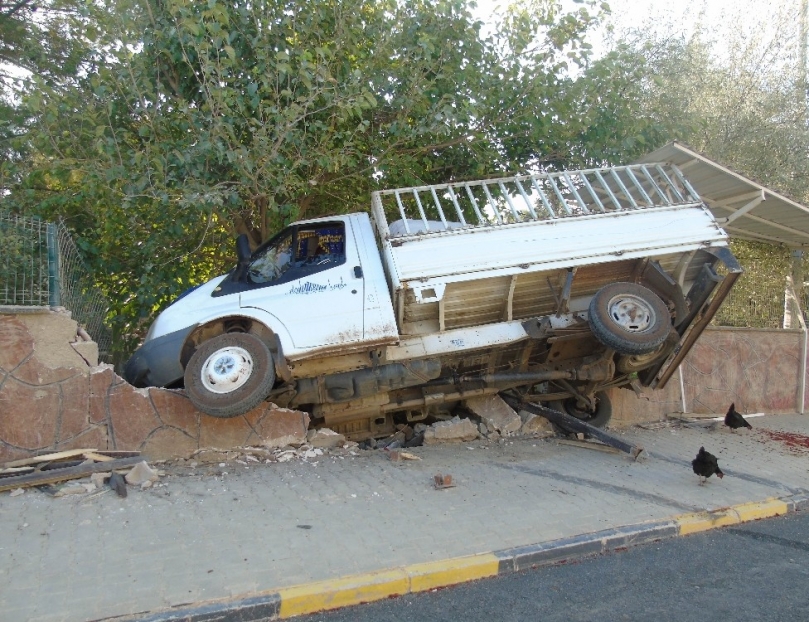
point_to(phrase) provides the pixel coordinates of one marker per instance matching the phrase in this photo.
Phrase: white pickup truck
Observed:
(551, 287)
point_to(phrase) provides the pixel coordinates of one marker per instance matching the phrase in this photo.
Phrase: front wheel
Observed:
(229, 375)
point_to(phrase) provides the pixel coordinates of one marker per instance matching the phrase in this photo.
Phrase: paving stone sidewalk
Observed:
(247, 529)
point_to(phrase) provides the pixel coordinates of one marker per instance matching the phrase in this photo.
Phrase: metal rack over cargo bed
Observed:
(455, 252)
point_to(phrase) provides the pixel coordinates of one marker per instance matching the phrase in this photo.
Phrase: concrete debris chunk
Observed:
(397, 455)
(71, 489)
(324, 437)
(443, 481)
(534, 424)
(392, 442)
(407, 430)
(419, 428)
(495, 413)
(416, 441)
(98, 479)
(17, 492)
(140, 473)
(455, 430)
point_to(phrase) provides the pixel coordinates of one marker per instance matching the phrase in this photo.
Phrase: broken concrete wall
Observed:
(54, 397)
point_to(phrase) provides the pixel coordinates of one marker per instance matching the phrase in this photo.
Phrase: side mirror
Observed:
(243, 257)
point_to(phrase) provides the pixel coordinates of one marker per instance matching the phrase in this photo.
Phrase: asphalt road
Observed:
(756, 571)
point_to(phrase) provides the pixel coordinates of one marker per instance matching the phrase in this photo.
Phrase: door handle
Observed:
(357, 272)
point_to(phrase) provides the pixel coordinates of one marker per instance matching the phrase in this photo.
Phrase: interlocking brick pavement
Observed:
(245, 530)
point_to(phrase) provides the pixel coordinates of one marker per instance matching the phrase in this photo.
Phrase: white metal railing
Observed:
(540, 196)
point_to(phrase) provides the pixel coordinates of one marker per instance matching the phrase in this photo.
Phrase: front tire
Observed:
(230, 375)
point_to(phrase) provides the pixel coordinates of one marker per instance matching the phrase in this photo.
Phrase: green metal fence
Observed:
(40, 266)
(24, 277)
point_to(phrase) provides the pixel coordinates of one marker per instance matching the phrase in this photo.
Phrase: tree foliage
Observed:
(201, 120)
(738, 96)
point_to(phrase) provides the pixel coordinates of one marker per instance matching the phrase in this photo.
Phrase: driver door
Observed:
(305, 277)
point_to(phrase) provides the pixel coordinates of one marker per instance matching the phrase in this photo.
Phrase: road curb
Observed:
(363, 588)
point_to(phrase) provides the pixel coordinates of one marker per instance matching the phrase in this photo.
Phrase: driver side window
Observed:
(272, 262)
(299, 252)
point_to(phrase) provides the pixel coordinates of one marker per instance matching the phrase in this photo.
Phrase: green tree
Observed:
(201, 120)
(737, 96)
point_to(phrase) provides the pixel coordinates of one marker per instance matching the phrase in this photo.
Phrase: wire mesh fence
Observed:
(41, 266)
(24, 277)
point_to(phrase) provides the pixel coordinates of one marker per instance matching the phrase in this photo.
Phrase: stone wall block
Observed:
(132, 416)
(280, 427)
(28, 414)
(456, 430)
(101, 379)
(168, 442)
(88, 350)
(233, 432)
(75, 406)
(8, 453)
(53, 334)
(175, 409)
(34, 371)
(92, 438)
(16, 343)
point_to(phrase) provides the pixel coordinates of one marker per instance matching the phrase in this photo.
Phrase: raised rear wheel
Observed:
(230, 375)
(629, 318)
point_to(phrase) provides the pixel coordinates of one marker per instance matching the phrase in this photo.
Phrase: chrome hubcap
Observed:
(227, 369)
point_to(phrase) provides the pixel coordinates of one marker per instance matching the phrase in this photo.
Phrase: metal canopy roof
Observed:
(744, 208)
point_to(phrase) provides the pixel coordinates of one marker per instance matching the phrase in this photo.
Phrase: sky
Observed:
(680, 17)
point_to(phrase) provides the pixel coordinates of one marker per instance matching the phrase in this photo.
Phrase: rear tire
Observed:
(629, 318)
(230, 375)
(598, 418)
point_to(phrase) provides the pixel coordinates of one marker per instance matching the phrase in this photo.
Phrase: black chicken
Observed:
(734, 420)
(705, 465)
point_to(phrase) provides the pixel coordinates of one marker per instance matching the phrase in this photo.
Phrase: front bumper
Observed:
(157, 363)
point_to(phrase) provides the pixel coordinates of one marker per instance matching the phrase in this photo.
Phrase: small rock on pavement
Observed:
(324, 437)
(140, 473)
(454, 430)
(17, 492)
(70, 490)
